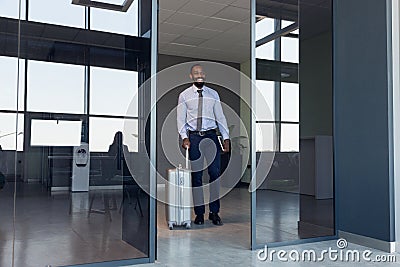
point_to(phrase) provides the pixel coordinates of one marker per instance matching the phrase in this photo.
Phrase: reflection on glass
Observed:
(265, 100)
(265, 137)
(112, 91)
(60, 12)
(55, 133)
(55, 87)
(264, 28)
(289, 137)
(8, 132)
(8, 84)
(10, 9)
(102, 132)
(121, 22)
(290, 102)
(266, 51)
(286, 23)
(290, 50)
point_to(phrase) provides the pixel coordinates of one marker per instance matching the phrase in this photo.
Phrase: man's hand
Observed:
(186, 143)
(226, 145)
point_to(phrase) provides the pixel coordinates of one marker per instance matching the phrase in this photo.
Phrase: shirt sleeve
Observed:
(220, 118)
(181, 117)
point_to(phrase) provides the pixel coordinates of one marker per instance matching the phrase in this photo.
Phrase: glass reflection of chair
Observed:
(114, 172)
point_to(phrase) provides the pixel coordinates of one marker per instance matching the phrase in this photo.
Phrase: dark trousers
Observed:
(210, 150)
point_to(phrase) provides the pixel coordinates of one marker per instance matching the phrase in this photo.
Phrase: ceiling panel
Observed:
(173, 28)
(233, 13)
(202, 33)
(218, 24)
(186, 19)
(164, 14)
(242, 3)
(202, 8)
(172, 4)
(167, 37)
(189, 40)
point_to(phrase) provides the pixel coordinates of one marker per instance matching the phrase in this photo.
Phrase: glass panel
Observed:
(294, 201)
(286, 23)
(8, 122)
(266, 51)
(265, 100)
(264, 27)
(289, 137)
(8, 87)
(290, 102)
(117, 88)
(122, 22)
(290, 49)
(55, 87)
(60, 12)
(265, 137)
(10, 9)
(103, 130)
(11, 163)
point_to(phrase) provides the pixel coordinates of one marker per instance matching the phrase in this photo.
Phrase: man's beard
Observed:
(199, 85)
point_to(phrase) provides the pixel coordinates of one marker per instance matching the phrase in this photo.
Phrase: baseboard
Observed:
(92, 187)
(370, 242)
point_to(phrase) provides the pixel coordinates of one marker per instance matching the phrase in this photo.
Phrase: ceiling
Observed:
(213, 29)
(220, 29)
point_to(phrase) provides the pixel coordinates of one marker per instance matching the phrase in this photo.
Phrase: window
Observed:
(112, 92)
(287, 117)
(121, 22)
(103, 130)
(290, 49)
(265, 137)
(8, 85)
(10, 9)
(8, 132)
(264, 28)
(289, 137)
(265, 100)
(290, 102)
(55, 87)
(60, 12)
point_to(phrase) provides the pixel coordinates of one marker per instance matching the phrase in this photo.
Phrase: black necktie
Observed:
(200, 110)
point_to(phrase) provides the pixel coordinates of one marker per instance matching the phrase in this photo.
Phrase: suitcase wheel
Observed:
(170, 226)
(188, 226)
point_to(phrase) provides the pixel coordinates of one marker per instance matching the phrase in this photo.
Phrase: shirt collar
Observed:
(195, 88)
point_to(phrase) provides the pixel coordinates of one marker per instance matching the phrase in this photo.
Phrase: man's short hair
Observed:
(195, 65)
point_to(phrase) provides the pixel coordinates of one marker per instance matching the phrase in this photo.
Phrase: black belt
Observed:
(202, 133)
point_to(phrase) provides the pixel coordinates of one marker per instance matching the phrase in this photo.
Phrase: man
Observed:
(199, 113)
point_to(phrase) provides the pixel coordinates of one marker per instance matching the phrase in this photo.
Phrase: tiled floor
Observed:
(47, 234)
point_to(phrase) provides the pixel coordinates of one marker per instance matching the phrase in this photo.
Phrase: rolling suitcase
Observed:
(179, 196)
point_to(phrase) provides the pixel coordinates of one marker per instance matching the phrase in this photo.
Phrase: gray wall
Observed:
(361, 121)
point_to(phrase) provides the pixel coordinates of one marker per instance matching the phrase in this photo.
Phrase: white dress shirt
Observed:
(213, 115)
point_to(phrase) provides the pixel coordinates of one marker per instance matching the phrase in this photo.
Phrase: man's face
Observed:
(197, 74)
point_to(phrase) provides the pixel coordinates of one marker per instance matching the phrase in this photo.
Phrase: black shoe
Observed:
(199, 219)
(215, 218)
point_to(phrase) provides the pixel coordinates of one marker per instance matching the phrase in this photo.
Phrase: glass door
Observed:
(292, 124)
(73, 133)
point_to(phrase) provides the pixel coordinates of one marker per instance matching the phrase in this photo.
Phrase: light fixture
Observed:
(97, 4)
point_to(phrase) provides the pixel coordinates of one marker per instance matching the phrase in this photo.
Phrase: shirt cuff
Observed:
(183, 136)
(225, 136)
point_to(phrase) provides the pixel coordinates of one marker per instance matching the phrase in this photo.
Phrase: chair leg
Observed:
(91, 204)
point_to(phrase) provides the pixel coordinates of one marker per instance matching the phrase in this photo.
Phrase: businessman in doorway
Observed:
(199, 114)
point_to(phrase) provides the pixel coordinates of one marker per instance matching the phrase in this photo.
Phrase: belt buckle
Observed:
(202, 133)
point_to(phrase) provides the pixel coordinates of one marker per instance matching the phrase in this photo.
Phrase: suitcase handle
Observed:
(187, 158)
